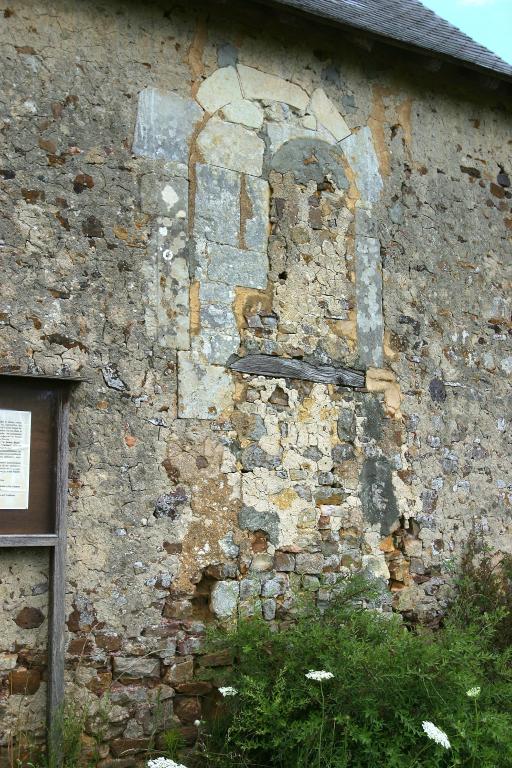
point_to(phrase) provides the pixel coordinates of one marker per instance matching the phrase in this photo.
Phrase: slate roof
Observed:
(409, 23)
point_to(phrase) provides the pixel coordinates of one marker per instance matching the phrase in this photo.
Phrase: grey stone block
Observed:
(216, 315)
(373, 413)
(219, 337)
(257, 225)
(310, 563)
(233, 266)
(250, 587)
(303, 491)
(365, 223)
(310, 583)
(254, 456)
(259, 429)
(165, 122)
(216, 293)
(342, 452)
(269, 609)
(224, 598)
(396, 213)
(217, 347)
(165, 194)
(377, 493)
(370, 322)
(311, 160)
(274, 586)
(361, 155)
(313, 453)
(167, 282)
(128, 666)
(251, 519)
(204, 390)
(346, 426)
(227, 55)
(170, 504)
(217, 205)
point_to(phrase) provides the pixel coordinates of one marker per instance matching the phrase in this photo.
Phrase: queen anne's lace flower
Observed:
(228, 690)
(164, 762)
(436, 734)
(319, 675)
(474, 692)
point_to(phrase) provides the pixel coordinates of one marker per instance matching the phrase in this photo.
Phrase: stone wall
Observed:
(178, 189)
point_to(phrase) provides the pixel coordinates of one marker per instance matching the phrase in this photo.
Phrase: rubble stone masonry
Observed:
(184, 185)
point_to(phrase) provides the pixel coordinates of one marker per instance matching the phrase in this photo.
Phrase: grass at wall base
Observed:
(384, 682)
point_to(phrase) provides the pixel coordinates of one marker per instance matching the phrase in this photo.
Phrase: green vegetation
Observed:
(172, 744)
(484, 587)
(67, 729)
(387, 680)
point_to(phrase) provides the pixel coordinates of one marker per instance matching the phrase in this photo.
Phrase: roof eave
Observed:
(288, 6)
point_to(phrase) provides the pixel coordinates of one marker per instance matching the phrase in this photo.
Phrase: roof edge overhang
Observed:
(292, 7)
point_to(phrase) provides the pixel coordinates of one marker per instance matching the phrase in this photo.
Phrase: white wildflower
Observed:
(436, 734)
(474, 692)
(198, 723)
(319, 675)
(228, 690)
(164, 762)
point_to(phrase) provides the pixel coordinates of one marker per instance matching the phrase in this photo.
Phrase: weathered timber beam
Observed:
(286, 368)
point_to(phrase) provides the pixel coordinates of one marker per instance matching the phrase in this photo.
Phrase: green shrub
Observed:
(386, 681)
(484, 586)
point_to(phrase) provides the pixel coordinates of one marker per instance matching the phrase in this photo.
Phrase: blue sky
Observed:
(487, 21)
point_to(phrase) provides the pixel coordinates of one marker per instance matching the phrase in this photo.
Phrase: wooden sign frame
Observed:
(55, 541)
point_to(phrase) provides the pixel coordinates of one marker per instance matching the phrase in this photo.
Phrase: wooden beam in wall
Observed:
(288, 368)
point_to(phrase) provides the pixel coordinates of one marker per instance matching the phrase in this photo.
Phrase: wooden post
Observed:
(57, 612)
